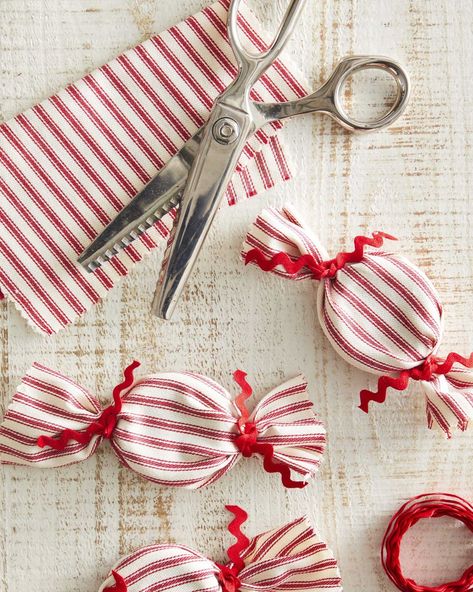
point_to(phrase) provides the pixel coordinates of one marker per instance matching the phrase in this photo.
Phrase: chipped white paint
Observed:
(61, 530)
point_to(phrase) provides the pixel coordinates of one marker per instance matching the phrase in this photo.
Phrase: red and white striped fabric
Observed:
(287, 559)
(174, 428)
(69, 164)
(379, 311)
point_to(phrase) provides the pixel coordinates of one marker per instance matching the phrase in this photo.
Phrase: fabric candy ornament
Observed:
(379, 312)
(287, 559)
(174, 428)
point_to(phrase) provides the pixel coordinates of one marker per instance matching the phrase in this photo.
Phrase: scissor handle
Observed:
(347, 67)
(253, 65)
(328, 98)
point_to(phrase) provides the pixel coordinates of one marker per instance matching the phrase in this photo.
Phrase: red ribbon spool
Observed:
(432, 505)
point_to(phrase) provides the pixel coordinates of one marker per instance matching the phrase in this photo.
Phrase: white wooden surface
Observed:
(62, 530)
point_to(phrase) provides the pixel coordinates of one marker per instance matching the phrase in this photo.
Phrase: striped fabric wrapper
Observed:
(378, 310)
(174, 428)
(291, 558)
(72, 162)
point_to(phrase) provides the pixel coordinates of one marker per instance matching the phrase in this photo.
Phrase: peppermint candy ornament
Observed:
(174, 428)
(379, 311)
(287, 559)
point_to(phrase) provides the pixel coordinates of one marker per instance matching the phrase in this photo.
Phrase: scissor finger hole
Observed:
(368, 94)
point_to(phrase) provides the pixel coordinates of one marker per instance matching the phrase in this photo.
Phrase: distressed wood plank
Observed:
(63, 529)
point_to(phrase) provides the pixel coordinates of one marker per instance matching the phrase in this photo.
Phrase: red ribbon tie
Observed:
(248, 439)
(228, 575)
(320, 269)
(228, 579)
(119, 586)
(428, 369)
(248, 443)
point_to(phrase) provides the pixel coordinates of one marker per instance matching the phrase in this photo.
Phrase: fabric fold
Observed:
(71, 163)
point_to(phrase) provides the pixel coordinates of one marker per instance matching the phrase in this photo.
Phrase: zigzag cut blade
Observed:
(158, 198)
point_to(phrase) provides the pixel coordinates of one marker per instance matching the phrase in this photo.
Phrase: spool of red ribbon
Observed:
(432, 505)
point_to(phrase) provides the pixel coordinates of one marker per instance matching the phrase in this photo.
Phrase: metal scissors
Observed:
(196, 178)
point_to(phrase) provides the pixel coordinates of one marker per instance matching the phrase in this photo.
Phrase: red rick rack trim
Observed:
(228, 576)
(431, 367)
(319, 269)
(104, 425)
(119, 585)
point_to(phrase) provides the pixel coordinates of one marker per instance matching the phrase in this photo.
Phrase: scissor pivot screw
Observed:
(226, 130)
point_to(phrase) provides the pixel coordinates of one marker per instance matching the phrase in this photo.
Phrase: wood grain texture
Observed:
(62, 530)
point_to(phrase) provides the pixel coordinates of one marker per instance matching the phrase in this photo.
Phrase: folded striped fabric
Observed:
(179, 429)
(287, 559)
(69, 164)
(379, 311)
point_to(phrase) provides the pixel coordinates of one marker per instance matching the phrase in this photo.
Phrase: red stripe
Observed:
(397, 286)
(183, 102)
(191, 52)
(47, 180)
(152, 95)
(263, 170)
(30, 310)
(377, 322)
(39, 202)
(79, 159)
(351, 351)
(59, 165)
(54, 249)
(198, 90)
(353, 273)
(123, 121)
(109, 134)
(280, 158)
(90, 142)
(142, 113)
(34, 380)
(48, 271)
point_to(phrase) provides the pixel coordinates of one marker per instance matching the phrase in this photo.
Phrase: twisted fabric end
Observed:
(319, 270)
(247, 441)
(430, 368)
(103, 426)
(119, 586)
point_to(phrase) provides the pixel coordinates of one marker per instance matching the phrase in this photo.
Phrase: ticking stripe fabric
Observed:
(69, 164)
(173, 428)
(287, 559)
(378, 310)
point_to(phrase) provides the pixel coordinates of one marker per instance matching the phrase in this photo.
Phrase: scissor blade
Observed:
(208, 180)
(158, 198)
